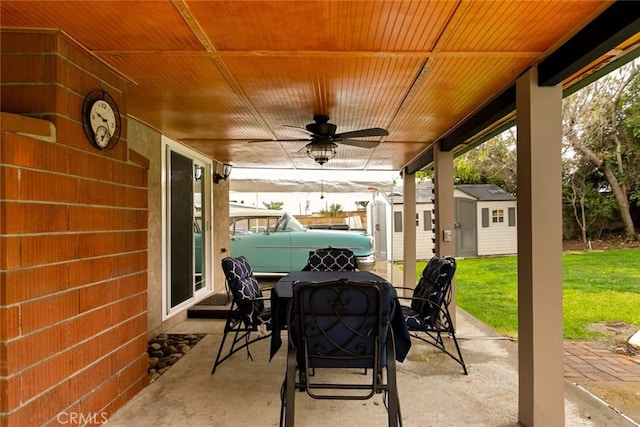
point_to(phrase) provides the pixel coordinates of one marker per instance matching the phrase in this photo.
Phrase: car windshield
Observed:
(264, 224)
(289, 223)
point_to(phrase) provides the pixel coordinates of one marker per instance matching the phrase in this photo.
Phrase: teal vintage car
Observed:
(274, 242)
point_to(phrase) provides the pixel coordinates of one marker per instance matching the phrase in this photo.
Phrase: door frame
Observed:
(168, 145)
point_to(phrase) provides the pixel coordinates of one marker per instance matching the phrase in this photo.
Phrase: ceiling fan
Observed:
(323, 139)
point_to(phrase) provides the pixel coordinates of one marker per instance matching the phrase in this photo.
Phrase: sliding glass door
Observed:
(187, 228)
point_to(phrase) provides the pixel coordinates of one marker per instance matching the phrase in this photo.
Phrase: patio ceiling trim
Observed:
(616, 24)
(492, 112)
(601, 72)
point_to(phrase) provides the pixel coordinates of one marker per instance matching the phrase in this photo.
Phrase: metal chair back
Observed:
(332, 259)
(248, 313)
(428, 317)
(340, 325)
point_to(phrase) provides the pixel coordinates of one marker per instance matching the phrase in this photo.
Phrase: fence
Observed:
(351, 218)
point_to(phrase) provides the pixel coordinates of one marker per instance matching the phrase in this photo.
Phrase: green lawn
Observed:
(597, 286)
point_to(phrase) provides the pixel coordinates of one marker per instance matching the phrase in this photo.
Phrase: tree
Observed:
(585, 204)
(601, 135)
(494, 162)
(630, 130)
(276, 206)
(595, 126)
(334, 210)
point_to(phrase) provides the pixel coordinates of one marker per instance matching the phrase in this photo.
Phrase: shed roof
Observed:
(485, 192)
(424, 193)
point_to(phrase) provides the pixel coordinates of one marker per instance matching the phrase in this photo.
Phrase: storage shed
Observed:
(386, 216)
(485, 221)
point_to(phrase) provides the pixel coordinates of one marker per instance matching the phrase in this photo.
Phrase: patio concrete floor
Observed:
(433, 390)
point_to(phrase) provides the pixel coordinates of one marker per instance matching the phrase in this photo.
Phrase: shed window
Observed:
(397, 222)
(497, 216)
(512, 217)
(426, 215)
(485, 217)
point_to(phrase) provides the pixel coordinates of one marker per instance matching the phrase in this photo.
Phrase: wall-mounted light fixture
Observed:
(226, 171)
(198, 171)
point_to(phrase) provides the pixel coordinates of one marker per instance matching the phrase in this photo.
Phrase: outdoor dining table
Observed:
(282, 294)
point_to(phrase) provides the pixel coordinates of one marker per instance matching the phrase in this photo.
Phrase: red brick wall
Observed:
(73, 242)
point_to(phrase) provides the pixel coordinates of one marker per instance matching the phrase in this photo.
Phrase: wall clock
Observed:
(101, 119)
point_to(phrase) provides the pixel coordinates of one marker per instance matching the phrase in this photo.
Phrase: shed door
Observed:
(466, 228)
(380, 230)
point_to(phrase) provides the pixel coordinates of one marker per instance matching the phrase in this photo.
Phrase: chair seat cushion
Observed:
(340, 323)
(264, 318)
(412, 318)
(433, 286)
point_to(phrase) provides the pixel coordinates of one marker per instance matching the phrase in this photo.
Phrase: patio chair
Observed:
(331, 259)
(428, 318)
(248, 313)
(337, 328)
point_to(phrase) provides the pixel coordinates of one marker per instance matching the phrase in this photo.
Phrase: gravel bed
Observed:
(166, 349)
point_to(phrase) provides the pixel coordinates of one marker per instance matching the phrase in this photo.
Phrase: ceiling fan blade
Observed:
(362, 132)
(307, 131)
(280, 140)
(297, 128)
(359, 143)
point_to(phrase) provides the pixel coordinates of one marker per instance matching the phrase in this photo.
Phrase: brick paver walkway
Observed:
(586, 361)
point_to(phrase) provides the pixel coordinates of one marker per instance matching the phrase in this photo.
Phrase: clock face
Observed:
(102, 136)
(102, 116)
(101, 119)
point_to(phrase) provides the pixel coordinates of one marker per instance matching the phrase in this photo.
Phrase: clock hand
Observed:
(103, 119)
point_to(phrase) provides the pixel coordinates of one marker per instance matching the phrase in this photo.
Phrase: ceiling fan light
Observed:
(321, 152)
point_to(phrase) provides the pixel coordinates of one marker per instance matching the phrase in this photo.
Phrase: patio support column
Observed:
(444, 211)
(540, 345)
(409, 229)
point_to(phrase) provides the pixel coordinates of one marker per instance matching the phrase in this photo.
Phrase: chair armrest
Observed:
(399, 291)
(264, 291)
(442, 315)
(426, 300)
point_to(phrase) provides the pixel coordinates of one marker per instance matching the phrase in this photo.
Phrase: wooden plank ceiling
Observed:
(217, 74)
